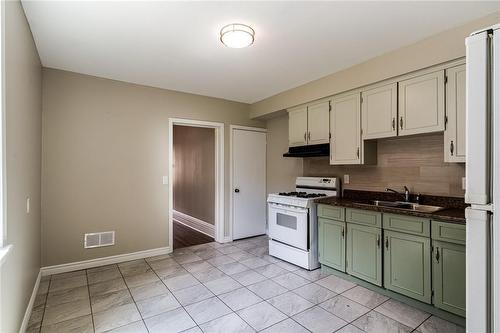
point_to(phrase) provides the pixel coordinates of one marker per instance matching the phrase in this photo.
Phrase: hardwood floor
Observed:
(185, 236)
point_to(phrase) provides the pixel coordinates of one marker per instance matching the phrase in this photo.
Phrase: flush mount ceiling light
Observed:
(237, 35)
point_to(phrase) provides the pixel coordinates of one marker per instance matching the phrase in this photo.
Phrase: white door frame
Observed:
(231, 189)
(219, 174)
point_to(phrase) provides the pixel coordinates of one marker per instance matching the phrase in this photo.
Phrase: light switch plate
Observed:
(346, 179)
(165, 180)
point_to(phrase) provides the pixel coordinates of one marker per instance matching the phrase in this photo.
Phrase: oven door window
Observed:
(286, 221)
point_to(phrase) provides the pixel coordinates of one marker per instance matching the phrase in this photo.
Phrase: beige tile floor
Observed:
(234, 287)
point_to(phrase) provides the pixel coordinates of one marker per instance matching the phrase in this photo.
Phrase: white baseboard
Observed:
(75, 266)
(194, 223)
(226, 239)
(29, 308)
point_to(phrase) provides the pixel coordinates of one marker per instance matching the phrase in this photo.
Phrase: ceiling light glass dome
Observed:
(237, 35)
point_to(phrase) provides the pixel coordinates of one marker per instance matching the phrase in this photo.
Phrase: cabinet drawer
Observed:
(331, 212)
(365, 217)
(448, 232)
(407, 224)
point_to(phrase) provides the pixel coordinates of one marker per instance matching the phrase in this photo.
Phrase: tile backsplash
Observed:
(416, 162)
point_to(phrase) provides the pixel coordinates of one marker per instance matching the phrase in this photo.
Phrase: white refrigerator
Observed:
(483, 181)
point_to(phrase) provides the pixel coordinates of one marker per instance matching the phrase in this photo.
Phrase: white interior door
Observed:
(249, 183)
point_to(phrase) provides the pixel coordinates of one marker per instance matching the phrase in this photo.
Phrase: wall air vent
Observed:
(98, 239)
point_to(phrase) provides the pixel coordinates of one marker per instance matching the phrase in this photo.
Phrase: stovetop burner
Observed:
(302, 194)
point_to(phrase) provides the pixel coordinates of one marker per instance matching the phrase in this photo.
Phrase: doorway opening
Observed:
(196, 211)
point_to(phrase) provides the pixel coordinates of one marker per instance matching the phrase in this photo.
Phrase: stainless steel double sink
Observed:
(407, 206)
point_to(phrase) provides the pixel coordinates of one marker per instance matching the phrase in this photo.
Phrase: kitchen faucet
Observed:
(406, 194)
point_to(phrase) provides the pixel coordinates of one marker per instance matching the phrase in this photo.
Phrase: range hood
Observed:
(308, 151)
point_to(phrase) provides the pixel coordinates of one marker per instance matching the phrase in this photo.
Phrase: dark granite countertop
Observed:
(454, 213)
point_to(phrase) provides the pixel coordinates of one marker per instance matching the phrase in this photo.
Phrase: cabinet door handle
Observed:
(308, 136)
(452, 147)
(305, 136)
(386, 242)
(401, 122)
(343, 232)
(378, 241)
(357, 153)
(437, 255)
(393, 124)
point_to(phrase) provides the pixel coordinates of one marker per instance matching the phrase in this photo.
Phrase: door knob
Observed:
(236, 190)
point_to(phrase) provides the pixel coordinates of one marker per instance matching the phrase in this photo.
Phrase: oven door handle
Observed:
(288, 208)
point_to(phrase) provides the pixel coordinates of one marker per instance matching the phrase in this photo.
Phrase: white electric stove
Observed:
(293, 225)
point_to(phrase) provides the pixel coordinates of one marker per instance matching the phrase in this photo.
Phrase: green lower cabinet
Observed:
(364, 253)
(407, 265)
(449, 276)
(331, 243)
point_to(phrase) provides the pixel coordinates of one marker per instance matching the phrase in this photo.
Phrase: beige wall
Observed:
(281, 171)
(194, 172)
(416, 162)
(23, 156)
(105, 150)
(437, 49)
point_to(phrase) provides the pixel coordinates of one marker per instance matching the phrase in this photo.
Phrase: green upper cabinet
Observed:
(421, 104)
(297, 126)
(364, 253)
(331, 243)
(407, 265)
(449, 276)
(379, 112)
(454, 134)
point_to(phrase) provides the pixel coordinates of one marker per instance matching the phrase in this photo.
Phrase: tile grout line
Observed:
(262, 300)
(389, 299)
(194, 321)
(357, 285)
(430, 315)
(242, 286)
(217, 296)
(90, 300)
(133, 300)
(292, 291)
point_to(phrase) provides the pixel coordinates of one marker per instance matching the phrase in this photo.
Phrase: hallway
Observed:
(185, 236)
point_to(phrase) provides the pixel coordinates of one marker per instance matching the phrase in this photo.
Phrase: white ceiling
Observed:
(175, 45)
